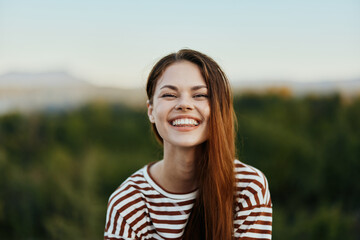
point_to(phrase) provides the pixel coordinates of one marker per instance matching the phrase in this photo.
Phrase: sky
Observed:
(115, 42)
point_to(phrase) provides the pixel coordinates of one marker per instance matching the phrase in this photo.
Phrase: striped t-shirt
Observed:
(141, 209)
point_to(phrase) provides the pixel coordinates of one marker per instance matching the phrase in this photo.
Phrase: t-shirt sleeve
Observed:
(253, 218)
(117, 228)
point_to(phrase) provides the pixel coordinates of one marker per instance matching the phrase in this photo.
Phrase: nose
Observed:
(184, 104)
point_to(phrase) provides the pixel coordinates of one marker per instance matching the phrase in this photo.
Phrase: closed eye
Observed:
(201, 96)
(168, 95)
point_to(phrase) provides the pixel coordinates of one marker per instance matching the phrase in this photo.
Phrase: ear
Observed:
(150, 111)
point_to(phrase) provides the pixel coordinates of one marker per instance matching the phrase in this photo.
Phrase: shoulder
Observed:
(130, 192)
(133, 185)
(251, 186)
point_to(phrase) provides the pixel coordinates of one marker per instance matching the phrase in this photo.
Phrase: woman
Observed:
(198, 190)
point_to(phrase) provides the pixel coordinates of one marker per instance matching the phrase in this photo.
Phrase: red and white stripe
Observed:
(253, 218)
(141, 209)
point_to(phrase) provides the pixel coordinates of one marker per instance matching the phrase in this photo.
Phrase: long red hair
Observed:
(213, 212)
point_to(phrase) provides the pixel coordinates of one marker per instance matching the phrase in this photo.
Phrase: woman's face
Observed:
(180, 107)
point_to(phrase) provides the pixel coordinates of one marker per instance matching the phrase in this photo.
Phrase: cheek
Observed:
(160, 113)
(206, 111)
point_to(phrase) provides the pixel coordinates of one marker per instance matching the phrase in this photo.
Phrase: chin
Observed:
(187, 144)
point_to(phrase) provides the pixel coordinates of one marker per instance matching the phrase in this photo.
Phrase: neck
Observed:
(177, 171)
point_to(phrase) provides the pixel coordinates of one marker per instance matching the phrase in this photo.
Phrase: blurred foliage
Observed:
(57, 169)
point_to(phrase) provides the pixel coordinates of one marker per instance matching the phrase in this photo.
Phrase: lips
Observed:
(184, 122)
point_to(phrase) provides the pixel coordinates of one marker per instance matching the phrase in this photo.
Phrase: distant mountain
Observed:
(53, 91)
(40, 80)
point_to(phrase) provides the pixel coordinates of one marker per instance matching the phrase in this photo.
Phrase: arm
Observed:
(117, 228)
(253, 218)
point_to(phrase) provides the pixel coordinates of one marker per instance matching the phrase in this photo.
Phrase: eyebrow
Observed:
(175, 88)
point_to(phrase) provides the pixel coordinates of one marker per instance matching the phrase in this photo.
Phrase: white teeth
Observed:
(185, 121)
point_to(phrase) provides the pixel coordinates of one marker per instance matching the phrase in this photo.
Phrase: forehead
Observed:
(181, 74)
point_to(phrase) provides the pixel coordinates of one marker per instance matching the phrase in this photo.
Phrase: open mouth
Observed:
(184, 122)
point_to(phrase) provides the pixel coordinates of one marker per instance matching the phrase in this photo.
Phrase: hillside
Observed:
(57, 90)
